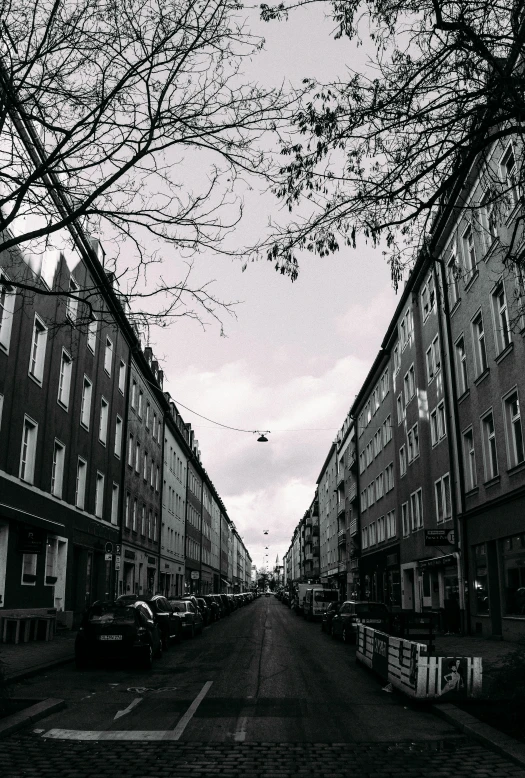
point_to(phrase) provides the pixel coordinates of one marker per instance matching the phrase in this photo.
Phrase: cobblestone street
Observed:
(30, 755)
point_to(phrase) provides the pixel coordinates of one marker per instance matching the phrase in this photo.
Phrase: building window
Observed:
(364, 538)
(363, 500)
(371, 494)
(501, 318)
(150, 524)
(38, 350)
(379, 486)
(72, 302)
(143, 520)
(513, 430)
(152, 475)
(409, 384)
(385, 383)
(145, 466)
(131, 450)
(443, 502)
(372, 534)
(402, 460)
(137, 457)
(118, 437)
(433, 359)
(57, 471)
(362, 462)
(489, 446)
(513, 557)
(134, 516)
(480, 349)
(416, 510)
(510, 176)
(400, 409)
(413, 443)
(405, 523)
(64, 379)
(141, 399)
(148, 410)
(103, 425)
(387, 430)
(469, 251)
(489, 224)
(108, 356)
(389, 477)
(453, 273)
(155, 526)
(438, 423)
(381, 529)
(461, 366)
(29, 569)
(7, 307)
(428, 297)
(157, 479)
(469, 457)
(51, 561)
(122, 377)
(28, 450)
(134, 394)
(397, 359)
(92, 334)
(80, 488)
(99, 495)
(85, 407)
(114, 504)
(390, 525)
(154, 428)
(127, 510)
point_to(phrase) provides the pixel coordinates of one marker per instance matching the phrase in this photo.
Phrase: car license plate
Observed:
(110, 637)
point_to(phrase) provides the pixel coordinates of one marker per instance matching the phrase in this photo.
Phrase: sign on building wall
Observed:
(439, 537)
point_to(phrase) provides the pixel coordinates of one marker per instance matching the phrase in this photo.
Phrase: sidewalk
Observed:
(25, 659)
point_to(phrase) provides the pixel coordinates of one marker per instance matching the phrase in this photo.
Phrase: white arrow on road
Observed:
(130, 707)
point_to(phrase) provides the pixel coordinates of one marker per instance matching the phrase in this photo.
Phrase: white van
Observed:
(316, 601)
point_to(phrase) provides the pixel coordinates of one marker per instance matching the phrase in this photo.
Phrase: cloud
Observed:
(267, 485)
(369, 320)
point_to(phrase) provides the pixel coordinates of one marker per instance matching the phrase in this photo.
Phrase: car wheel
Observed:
(147, 657)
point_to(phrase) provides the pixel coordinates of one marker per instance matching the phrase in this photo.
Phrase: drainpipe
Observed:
(455, 452)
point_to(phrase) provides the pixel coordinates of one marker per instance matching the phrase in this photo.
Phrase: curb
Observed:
(24, 717)
(503, 744)
(19, 675)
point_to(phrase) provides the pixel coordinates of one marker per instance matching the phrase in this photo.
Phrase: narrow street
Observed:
(262, 692)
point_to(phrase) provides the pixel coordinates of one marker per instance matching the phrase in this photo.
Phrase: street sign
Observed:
(108, 557)
(108, 548)
(439, 537)
(195, 575)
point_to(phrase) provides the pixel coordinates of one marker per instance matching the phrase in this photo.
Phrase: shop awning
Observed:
(16, 513)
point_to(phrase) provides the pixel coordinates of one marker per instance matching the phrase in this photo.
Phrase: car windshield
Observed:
(326, 596)
(178, 607)
(105, 614)
(376, 608)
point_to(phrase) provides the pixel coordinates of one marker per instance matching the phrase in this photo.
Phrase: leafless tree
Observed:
(382, 151)
(130, 120)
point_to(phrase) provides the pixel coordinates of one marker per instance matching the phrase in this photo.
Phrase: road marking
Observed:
(171, 734)
(130, 707)
(184, 721)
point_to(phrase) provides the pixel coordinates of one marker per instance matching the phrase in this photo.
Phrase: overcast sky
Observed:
(297, 354)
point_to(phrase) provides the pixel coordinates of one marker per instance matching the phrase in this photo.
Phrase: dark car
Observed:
(191, 620)
(118, 630)
(226, 603)
(328, 615)
(204, 609)
(223, 610)
(233, 604)
(169, 625)
(354, 612)
(213, 608)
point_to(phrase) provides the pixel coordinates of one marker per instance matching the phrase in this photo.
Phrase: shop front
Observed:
(380, 578)
(440, 590)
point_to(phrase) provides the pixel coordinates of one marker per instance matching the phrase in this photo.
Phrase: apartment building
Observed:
(63, 366)
(328, 507)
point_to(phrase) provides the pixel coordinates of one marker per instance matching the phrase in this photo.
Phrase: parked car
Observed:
(118, 630)
(326, 621)
(213, 608)
(169, 626)
(316, 601)
(204, 609)
(354, 612)
(223, 611)
(233, 604)
(226, 604)
(191, 619)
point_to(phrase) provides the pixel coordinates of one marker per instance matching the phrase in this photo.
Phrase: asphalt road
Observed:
(261, 692)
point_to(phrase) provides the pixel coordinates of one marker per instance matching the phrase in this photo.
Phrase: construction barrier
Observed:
(409, 668)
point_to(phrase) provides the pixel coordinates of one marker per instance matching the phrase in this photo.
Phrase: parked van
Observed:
(317, 600)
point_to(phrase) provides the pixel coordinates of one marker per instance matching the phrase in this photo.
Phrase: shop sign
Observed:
(437, 561)
(31, 540)
(194, 575)
(392, 560)
(129, 554)
(439, 537)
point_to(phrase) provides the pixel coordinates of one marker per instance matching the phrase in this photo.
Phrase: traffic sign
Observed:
(117, 548)
(108, 557)
(108, 548)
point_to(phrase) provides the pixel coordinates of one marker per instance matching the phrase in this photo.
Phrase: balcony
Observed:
(341, 537)
(309, 556)
(352, 459)
(340, 479)
(352, 493)
(341, 509)
(353, 527)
